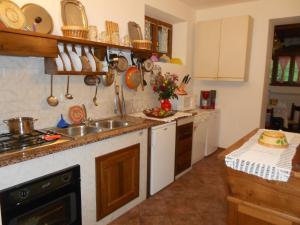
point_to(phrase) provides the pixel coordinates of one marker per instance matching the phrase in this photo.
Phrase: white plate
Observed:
(90, 58)
(66, 61)
(78, 50)
(59, 63)
(61, 47)
(74, 58)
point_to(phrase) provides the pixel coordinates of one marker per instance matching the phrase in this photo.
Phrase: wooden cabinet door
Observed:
(117, 179)
(184, 143)
(207, 49)
(234, 48)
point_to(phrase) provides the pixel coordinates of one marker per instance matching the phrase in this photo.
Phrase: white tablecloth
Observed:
(264, 162)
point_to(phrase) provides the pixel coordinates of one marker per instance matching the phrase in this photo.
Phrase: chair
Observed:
(294, 123)
(274, 123)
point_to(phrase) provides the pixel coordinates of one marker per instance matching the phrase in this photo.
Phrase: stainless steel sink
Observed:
(109, 124)
(92, 127)
(78, 130)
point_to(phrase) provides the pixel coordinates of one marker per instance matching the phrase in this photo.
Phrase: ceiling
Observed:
(201, 4)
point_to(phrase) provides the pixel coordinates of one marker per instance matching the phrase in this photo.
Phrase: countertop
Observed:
(12, 157)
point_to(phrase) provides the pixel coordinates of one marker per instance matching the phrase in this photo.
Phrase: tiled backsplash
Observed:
(24, 88)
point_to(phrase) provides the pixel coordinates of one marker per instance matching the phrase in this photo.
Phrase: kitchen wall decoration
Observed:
(11, 15)
(37, 18)
(74, 19)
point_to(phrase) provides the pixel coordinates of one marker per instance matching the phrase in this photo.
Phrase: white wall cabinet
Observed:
(222, 49)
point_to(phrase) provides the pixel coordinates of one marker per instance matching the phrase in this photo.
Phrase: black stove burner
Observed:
(10, 141)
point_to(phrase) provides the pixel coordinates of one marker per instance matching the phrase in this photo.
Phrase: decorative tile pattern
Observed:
(197, 198)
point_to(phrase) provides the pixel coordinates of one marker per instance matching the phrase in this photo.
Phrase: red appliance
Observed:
(208, 99)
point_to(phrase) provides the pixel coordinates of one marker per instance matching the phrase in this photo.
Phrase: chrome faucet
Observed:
(86, 120)
(120, 105)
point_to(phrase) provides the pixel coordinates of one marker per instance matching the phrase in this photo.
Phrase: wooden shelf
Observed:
(26, 43)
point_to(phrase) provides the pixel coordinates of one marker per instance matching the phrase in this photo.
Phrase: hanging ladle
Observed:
(95, 97)
(52, 100)
(68, 95)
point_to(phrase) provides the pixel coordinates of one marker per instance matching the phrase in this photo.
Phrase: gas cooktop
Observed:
(10, 141)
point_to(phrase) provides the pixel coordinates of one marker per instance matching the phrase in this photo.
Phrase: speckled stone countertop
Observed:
(12, 157)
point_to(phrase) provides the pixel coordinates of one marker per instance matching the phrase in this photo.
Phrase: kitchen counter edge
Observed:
(18, 156)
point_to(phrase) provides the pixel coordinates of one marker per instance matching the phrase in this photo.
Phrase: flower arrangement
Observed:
(165, 86)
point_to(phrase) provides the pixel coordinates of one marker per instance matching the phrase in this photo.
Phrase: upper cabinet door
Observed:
(235, 38)
(207, 49)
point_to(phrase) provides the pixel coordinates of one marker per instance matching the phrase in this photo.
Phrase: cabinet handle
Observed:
(141, 133)
(165, 128)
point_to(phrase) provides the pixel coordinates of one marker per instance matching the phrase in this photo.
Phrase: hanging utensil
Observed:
(52, 100)
(123, 100)
(141, 74)
(68, 95)
(91, 80)
(108, 78)
(122, 64)
(148, 65)
(96, 92)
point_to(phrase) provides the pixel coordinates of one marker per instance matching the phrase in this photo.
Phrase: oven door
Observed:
(60, 211)
(51, 200)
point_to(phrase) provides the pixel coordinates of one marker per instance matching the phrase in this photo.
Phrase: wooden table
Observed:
(256, 201)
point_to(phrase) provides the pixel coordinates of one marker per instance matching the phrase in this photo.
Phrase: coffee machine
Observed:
(208, 99)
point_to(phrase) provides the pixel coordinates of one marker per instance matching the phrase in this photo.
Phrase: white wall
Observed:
(25, 87)
(241, 103)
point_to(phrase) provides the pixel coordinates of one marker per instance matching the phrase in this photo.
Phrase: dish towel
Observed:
(167, 120)
(265, 162)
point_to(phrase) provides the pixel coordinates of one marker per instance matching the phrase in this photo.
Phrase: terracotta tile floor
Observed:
(197, 198)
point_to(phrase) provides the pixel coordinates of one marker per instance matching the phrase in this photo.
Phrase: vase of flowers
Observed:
(165, 86)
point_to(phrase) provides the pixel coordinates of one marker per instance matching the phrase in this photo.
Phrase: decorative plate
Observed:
(11, 15)
(73, 14)
(76, 114)
(37, 18)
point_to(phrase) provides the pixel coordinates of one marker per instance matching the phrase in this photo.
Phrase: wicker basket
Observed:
(142, 44)
(75, 32)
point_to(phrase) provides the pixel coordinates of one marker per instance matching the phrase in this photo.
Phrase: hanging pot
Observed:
(133, 78)
(122, 64)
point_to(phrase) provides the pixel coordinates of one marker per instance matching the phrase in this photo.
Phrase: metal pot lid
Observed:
(11, 15)
(122, 64)
(38, 16)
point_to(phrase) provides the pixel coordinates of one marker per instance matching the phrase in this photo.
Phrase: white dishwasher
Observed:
(162, 157)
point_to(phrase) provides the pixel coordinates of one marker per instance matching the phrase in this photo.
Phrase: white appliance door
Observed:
(212, 133)
(162, 156)
(199, 138)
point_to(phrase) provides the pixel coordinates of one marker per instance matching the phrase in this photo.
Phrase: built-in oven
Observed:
(49, 200)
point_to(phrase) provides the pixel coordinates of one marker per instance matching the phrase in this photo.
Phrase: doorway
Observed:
(282, 83)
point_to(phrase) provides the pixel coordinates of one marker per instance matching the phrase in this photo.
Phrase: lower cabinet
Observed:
(117, 179)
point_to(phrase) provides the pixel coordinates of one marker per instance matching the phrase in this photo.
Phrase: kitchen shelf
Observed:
(26, 43)
(78, 73)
